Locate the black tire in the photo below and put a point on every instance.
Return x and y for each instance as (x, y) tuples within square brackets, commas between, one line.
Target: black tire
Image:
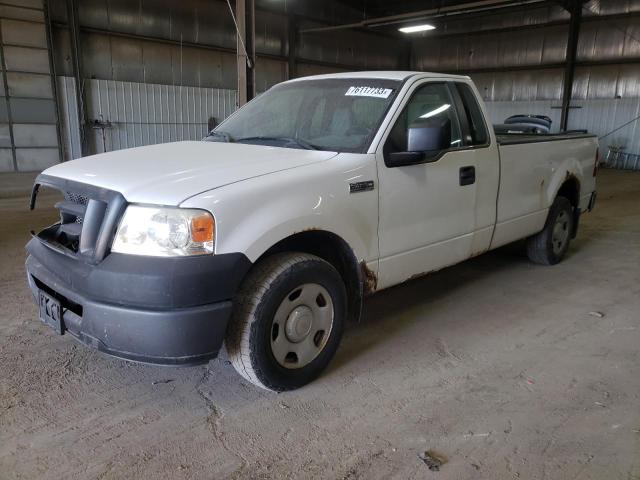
[(250, 334), (545, 248)]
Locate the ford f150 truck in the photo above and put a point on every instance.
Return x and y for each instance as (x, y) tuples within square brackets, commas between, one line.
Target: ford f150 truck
[(267, 235)]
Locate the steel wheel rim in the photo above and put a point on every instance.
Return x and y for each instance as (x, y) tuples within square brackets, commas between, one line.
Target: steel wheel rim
[(560, 234), (302, 325)]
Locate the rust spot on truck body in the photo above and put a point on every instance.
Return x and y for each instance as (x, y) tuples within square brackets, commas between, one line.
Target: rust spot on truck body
[(369, 277)]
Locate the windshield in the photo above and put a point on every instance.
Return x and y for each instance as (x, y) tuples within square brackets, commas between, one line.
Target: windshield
[(339, 115)]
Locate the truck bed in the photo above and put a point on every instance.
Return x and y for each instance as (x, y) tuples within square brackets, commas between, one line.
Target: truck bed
[(532, 169)]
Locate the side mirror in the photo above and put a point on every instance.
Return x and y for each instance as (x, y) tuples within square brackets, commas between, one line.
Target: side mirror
[(426, 137), (429, 134)]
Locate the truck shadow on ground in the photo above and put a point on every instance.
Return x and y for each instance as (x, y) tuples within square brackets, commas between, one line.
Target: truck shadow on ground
[(392, 310), (384, 315)]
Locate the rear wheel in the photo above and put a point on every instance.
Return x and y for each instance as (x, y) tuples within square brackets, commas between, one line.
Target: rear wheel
[(550, 245), (287, 322)]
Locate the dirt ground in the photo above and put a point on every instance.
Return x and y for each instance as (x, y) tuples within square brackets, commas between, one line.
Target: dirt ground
[(505, 369)]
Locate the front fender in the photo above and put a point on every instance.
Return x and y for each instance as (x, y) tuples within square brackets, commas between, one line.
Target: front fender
[(253, 215)]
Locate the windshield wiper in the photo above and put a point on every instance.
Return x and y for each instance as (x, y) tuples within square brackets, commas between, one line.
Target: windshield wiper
[(297, 141), (218, 133)]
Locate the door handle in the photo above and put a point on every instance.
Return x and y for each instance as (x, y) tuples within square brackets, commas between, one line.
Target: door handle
[(467, 175)]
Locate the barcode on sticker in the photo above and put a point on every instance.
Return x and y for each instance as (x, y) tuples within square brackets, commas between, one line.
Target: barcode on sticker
[(368, 92)]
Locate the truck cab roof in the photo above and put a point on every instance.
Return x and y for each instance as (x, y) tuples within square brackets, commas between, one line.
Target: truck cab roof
[(382, 74)]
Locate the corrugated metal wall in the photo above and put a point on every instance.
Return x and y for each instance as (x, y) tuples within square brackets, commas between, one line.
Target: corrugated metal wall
[(28, 131), (521, 71), (602, 116), (540, 46), (189, 43), (356, 49), (186, 50), (604, 98), (192, 43), (128, 114), (599, 116)]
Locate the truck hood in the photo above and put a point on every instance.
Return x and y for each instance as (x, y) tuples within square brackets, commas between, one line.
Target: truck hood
[(169, 173)]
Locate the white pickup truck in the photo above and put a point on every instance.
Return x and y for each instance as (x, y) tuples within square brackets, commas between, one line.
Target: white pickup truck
[(267, 235)]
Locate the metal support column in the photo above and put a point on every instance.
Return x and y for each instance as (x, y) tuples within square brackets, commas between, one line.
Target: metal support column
[(246, 50), (3, 66), (575, 9), (407, 58), (54, 77), (251, 48), (76, 60), (292, 45)]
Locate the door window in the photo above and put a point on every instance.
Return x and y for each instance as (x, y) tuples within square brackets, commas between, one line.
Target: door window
[(429, 100)]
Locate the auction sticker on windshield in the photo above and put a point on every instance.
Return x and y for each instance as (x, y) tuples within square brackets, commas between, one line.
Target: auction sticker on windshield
[(368, 92)]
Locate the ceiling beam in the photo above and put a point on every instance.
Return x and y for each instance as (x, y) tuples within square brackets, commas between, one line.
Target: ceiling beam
[(309, 18), (534, 67), (432, 13), (531, 26)]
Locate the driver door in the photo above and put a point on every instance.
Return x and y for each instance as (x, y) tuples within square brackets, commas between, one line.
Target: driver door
[(427, 210)]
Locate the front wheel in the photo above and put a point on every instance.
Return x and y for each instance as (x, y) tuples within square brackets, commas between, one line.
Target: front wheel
[(287, 322), (550, 245)]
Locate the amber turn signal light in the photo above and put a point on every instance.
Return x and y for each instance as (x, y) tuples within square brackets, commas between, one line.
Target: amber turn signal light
[(202, 227)]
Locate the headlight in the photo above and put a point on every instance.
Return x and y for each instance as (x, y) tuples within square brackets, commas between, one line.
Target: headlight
[(165, 232)]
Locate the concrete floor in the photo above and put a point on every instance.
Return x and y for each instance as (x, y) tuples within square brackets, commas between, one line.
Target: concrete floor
[(501, 366)]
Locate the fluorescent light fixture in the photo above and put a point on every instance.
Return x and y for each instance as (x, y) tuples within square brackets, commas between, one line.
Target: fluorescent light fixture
[(435, 112), (417, 28)]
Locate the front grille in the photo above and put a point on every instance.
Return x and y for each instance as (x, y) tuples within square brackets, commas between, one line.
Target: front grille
[(78, 199), (88, 218)]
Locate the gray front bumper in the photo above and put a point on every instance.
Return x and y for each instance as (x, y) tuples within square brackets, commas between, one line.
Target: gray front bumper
[(169, 337)]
